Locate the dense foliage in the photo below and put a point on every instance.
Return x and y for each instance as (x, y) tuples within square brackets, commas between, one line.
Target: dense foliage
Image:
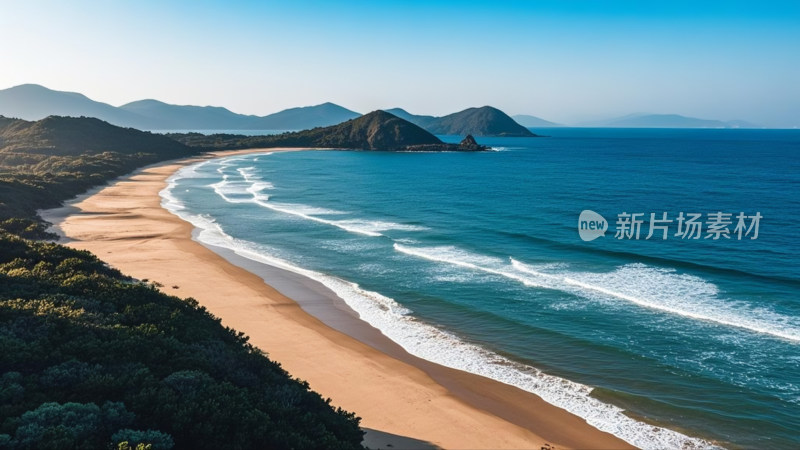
[(31, 182), (74, 136), (45, 162), (92, 359), (377, 130)]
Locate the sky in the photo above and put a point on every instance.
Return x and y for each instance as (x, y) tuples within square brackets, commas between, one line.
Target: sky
[(564, 61)]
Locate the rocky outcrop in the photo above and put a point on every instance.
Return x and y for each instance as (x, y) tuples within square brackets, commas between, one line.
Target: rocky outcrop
[(468, 144)]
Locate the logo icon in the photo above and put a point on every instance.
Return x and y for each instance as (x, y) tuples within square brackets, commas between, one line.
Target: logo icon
[(591, 225)]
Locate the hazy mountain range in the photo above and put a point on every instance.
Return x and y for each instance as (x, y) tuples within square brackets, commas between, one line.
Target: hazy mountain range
[(640, 121), (34, 102)]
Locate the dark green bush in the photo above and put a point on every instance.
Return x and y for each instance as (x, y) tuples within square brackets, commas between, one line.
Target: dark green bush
[(76, 334)]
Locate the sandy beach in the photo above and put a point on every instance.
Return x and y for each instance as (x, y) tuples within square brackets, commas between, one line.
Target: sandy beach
[(403, 401)]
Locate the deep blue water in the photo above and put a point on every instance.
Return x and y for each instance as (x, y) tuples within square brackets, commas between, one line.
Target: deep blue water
[(474, 260)]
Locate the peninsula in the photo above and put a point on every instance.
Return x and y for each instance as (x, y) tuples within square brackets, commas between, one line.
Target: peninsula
[(378, 130)]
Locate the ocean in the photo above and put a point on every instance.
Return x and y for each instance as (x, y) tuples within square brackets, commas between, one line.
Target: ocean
[(475, 261)]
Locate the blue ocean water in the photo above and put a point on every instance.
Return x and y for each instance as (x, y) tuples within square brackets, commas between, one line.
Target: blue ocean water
[(474, 260)]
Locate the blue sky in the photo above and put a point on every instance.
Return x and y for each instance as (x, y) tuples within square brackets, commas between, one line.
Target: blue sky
[(566, 61)]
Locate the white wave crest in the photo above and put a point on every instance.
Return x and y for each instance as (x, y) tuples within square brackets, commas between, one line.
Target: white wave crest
[(248, 187), (649, 287)]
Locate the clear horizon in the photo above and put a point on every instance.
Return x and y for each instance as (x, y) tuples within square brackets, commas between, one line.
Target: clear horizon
[(565, 62)]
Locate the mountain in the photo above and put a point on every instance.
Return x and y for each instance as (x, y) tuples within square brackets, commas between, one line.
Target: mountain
[(62, 136), (534, 122), (668, 121), (422, 121), (304, 118), (174, 117), (34, 102), (485, 121), (378, 130)]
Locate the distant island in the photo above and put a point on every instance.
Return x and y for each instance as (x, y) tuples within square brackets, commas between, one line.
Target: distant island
[(667, 121), (534, 122), (378, 130), (484, 121)]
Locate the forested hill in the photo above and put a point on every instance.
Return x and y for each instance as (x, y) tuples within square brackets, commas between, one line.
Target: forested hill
[(45, 162), (378, 130), (93, 359), (56, 135)]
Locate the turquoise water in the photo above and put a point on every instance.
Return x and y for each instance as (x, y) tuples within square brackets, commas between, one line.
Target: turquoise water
[(473, 260)]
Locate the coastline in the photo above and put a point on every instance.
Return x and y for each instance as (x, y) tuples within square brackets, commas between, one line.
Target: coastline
[(403, 400)]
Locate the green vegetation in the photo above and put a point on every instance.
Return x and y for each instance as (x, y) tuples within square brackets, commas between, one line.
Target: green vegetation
[(377, 130), (484, 121), (80, 135), (46, 162), (93, 359)]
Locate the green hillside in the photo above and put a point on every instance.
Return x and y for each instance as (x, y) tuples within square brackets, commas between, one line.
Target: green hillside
[(93, 359)]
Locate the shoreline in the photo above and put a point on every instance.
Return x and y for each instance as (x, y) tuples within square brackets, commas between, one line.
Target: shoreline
[(403, 400)]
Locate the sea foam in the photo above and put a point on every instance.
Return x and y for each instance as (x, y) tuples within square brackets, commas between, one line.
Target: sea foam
[(442, 347), (244, 186), (649, 287)]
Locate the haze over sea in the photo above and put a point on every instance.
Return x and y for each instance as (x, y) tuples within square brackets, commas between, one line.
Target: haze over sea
[(473, 260)]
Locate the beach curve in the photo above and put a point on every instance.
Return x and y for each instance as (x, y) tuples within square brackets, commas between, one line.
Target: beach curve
[(409, 401)]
